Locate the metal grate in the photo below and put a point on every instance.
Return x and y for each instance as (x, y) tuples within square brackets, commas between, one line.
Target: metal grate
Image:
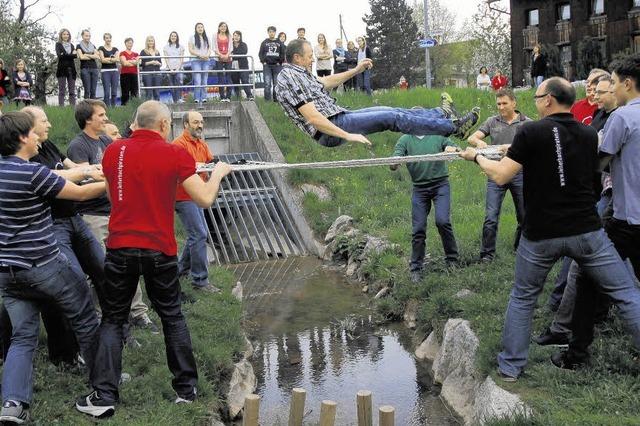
[(249, 221)]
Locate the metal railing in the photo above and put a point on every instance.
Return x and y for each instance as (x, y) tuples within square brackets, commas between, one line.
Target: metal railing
[(162, 72)]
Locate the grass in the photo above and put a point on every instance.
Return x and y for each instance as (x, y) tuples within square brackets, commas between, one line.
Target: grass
[(380, 202), (214, 323)]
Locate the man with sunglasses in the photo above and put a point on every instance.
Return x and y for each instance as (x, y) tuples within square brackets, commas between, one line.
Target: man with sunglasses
[(559, 160)]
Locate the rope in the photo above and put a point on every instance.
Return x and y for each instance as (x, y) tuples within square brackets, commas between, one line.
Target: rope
[(490, 153)]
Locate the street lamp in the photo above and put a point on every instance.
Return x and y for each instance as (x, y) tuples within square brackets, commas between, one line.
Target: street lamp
[(490, 2)]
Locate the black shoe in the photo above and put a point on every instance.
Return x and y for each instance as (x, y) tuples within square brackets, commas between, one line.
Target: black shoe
[(14, 412), (452, 264), (487, 258), (549, 338), (565, 361), (465, 124), (416, 276), (95, 406)]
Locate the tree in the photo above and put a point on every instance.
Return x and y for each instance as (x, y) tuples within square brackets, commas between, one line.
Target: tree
[(391, 35), (554, 60), (23, 36), (441, 21), (492, 31), (589, 56)]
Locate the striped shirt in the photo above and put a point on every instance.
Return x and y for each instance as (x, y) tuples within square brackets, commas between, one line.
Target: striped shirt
[(297, 87), (26, 234)]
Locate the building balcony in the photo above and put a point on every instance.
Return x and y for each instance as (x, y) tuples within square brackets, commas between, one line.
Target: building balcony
[(530, 35), (563, 32), (598, 26), (634, 21)]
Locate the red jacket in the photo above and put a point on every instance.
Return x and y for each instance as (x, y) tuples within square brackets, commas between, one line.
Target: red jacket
[(498, 82)]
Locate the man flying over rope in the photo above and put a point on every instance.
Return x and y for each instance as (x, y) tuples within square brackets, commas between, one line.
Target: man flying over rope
[(307, 101)]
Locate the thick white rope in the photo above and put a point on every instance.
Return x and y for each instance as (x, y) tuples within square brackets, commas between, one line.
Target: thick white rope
[(490, 153)]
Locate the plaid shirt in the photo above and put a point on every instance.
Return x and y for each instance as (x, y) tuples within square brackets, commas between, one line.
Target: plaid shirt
[(297, 87)]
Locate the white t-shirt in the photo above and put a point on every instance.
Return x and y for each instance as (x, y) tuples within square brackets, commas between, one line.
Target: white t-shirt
[(483, 81)]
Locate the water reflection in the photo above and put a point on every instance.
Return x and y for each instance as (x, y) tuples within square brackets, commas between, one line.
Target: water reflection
[(312, 330)]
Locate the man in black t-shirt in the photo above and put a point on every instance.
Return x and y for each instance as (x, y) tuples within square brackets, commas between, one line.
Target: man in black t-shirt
[(559, 161)]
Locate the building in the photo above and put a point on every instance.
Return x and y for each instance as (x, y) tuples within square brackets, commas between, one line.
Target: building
[(564, 23)]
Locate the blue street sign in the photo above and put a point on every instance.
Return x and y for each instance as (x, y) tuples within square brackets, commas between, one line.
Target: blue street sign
[(427, 42)]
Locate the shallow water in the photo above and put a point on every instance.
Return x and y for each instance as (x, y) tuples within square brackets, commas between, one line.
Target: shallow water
[(313, 330)]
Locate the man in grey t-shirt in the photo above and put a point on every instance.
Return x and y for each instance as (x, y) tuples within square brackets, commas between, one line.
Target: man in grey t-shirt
[(502, 128)]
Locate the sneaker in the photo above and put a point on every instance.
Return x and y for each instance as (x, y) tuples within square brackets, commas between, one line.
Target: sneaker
[(549, 338), (416, 276), (506, 378), (565, 361), (465, 124), (143, 321), (486, 259), (207, 288), (95, 406), (186, 400), (251, 98), (446, 104), (14, 412)]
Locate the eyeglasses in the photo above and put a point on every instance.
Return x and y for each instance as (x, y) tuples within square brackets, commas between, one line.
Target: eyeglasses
[(603, 92), (536, 97)]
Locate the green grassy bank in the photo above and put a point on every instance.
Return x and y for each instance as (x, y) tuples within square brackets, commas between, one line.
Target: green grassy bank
[(379, 201), (214, 323)]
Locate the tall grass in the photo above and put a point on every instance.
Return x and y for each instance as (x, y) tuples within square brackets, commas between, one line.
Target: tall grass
[(380, 202)]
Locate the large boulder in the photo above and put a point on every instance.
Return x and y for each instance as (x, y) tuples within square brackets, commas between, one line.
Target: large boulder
[(492, 402), (428, 349), (340, 225), (243, 383)]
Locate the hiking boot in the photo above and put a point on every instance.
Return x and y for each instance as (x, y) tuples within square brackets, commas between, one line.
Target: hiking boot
[(565, 361), (207, 288), (465, 124), (549, 338), (14, 412), (143, 321), (416, 276), (95, 406), (446, 104)]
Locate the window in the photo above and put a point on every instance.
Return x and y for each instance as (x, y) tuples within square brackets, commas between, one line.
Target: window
[(636, 3), (564, 12), (597, 7), (636, 44), (532, 18)]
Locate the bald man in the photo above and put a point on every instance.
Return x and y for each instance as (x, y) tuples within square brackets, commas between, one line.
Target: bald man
[(141, 241), (193, 259)]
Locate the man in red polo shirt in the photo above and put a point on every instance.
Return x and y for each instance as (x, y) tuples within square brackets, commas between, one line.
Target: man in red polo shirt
[(584, 109), (141, 175), (194, 255)]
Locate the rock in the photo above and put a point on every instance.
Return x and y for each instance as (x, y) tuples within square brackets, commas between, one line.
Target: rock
[(428, 350), (249, 350), (214, 420), (464, 293), (243, 383), (492, 402), (352, 268), (410, 312), (454, 367), (340, 225), (365, 289), (374, 245), (382, 293), (320, 191), (237, 291), (327, 253)]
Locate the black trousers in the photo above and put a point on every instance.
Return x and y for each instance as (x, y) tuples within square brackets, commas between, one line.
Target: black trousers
[(123, 268), (625, 238), (128, 87)]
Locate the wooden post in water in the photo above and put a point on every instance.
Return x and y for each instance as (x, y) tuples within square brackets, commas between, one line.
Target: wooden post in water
[(387, 414), (298, 396), (365, 416), (251, 410), (328, 413)]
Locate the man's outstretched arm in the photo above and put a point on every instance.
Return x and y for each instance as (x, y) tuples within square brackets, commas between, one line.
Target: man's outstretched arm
[(334, 80), (501, 172), (322, 124)]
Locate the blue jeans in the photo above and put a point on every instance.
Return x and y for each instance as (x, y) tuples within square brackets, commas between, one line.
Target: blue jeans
[(270, 73), (494, 198), (439, 193), (151, 80), (176, 79), (363, 80), (123, 268), (110, 83), (200, 78), (418, 121), (89, 78), (22, 291), (194, 254), (537, 80), (598, 259), (224, 78)]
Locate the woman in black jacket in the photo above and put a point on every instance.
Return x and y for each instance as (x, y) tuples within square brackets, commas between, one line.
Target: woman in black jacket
[(66, 71), (364, 78), (538, 66), (240, 63)]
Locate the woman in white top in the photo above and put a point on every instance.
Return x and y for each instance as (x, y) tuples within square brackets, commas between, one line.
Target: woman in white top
[(200, 47), (323, 57), (483, 81), (174, 65)]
